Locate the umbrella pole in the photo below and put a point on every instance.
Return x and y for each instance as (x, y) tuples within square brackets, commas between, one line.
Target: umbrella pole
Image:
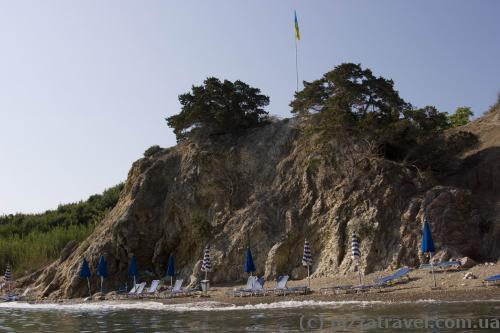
[(308, 278), (359, 272), (88, 284), (135, 283), (171, 282), (432, 269), (102, 279), (206, 274)]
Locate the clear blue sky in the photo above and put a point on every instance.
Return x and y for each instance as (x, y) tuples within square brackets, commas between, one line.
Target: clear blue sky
[(85, 85)]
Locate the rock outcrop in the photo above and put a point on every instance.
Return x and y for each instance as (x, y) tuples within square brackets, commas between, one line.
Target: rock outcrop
[(271, 189)]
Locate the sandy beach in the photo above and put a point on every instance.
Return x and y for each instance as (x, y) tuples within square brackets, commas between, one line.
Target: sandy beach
[(451, 287)]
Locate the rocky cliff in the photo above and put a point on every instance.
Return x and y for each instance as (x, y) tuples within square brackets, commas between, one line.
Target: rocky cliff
[(272, 188)]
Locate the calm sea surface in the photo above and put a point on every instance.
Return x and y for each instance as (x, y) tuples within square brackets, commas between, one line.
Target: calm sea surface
[(278, 317)]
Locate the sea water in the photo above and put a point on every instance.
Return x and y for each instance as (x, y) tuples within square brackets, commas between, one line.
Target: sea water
[(291, 316)]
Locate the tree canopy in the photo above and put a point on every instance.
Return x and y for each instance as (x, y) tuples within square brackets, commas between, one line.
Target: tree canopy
[(461, 116), (351, 100), (219, 107), (352, 91)]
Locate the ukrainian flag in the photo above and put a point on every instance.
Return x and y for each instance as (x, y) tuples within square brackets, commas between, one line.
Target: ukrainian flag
[(297, 32)]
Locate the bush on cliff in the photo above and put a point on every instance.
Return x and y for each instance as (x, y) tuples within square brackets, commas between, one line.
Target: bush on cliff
[(219, 107), (31, 241), (460, 117)]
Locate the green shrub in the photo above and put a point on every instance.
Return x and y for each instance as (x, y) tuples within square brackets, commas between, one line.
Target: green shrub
[(201, 229), (31, 241)]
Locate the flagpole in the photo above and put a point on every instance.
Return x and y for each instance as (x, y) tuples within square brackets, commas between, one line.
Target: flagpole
[(296, 64)]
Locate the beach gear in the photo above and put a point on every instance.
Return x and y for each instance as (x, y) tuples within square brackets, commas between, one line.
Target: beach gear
[(140, 289), (427, 246), (254, 286), (282, 289), (153, 287), (443, 265), (133, 289), (356, 254), (8, 274), (206, 265), (492, 281), (102, 270), (335, 289), (177, 289), (401, 274), (132, 269), (122, 289), (171, 268), (249, 266), (280, 285), (85, 272), (307, 260)]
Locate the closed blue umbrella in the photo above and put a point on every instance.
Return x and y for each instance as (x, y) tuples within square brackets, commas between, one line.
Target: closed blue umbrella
[(102, 269), (85, 273), (132, 269), (427, 246), (171, 268), (249, 266)]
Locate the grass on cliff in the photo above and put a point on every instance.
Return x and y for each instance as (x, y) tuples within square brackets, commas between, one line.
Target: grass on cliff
[(30, 241)]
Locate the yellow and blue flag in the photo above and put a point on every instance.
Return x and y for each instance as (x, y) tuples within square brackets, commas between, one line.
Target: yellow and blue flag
[(297, 32)]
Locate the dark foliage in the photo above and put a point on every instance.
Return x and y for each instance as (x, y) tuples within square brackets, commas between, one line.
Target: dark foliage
[(219, 107)]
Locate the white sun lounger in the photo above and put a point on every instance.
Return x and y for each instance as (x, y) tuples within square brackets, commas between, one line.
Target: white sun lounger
[(139, 289), (248, 287), (177, 289), (282, 289), (154, 286)]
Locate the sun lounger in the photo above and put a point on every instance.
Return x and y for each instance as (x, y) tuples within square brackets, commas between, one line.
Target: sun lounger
[(152, 289), (280, 285), (177, 289), (9, 297), (336, 289), (122, 289), (256, 288), (133, 289), (248, 287), (445, 265), (492, 281), (140, 288), (401, 274)]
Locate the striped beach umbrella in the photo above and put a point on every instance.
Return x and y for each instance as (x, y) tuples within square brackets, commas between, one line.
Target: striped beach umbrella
[(8, 274), (206, 265), (307, 260), (356, 253)]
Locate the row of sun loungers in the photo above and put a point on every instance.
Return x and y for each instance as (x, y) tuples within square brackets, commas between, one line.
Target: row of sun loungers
[(255, 287), (140, 291), (401, 275)]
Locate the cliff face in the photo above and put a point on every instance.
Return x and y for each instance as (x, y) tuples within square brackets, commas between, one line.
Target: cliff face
[(270, 189)]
